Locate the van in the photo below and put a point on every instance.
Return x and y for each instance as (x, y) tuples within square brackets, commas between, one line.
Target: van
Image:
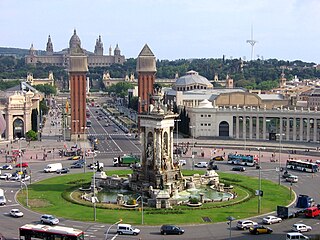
[(312, 212), (53, 167), (3, 199), (127, 229), (296, 236)]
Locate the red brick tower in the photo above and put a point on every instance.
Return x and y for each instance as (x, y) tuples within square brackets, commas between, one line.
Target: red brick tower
[(146, 69), (77, 76)]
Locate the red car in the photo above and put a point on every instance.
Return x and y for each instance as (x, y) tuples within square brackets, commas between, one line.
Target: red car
[(24, 164)]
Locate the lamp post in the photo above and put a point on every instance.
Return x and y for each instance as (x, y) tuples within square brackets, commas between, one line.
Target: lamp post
[(260, 192), (280, 146), (192, 127), (230, 219), (111, 227), (27, 200), (94, 191), (141, 197), (84, 156), (177, 147)]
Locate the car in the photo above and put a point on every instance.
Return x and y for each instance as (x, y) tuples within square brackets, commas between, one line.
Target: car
[(296, 236), (63, 170), (182, 162), (171, 229), (77, 165), (49, 219), (239, 168), (213, 167), (5, 176), (106, 124), (260, 229), (25, 178), (292, 179), (246, 224), (271, 220), (116, 130), (15, 177), (24, 164), (300, 227), (16, 213), (81, 161), (201, 165), (75, 158), (218, 158), (6, 167)]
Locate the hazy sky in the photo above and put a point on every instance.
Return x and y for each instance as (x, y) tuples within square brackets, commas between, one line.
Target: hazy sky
[(174, 29)]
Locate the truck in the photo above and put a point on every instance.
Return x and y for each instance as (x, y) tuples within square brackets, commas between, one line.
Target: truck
[(304, 201), (289, 212), (126, 160), (53, 167)]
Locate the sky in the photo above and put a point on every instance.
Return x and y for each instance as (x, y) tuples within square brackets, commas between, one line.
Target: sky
[(173, 29)]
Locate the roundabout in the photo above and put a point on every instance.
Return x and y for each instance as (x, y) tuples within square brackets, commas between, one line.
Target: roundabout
[(60, 196)]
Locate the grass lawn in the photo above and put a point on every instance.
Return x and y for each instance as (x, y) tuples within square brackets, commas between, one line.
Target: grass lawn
[(46, 197)]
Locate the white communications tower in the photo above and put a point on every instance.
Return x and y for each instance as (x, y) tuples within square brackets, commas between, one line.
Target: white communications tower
[(252, 43)]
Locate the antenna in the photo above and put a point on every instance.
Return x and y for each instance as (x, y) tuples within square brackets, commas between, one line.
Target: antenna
[(252, 43)]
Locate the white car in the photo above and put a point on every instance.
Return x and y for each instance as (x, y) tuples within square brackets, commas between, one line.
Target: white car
[(6, 176), (201, 165), (25, 178), (16, 213), (246, 224), (182, 162), (300, 227), (271, 220)]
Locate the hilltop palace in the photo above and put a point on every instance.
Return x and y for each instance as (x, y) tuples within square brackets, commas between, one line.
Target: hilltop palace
[(62, 58)]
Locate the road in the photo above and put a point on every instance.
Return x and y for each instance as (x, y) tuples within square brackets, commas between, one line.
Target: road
[(118, 143)]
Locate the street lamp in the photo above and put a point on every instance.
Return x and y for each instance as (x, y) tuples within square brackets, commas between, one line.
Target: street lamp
[(141, 197), (192, 127), (27, 200), (111, 227), (280, 146), (259, 191), (177, 120), (230, 219), (94, 199)]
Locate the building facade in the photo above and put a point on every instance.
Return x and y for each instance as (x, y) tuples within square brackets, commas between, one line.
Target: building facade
[(62, 58)]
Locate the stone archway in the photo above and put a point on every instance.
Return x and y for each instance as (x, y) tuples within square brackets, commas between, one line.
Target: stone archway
[(224, 129), (18, 128)]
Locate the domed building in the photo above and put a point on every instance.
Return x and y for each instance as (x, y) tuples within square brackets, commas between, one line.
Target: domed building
[(61, 58), (192, 80)]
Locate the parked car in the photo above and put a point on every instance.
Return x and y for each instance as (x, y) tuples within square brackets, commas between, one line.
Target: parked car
[(63, 170), (239, 168), (171, 229), (5, 176), (201, 165), (24, 164), (260, 229), (300, 227), (271, 220), (296, 236), (16, 213), (6, 167), (49, 219), (246, 224)]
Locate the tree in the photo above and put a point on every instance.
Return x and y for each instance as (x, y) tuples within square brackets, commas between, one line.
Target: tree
[(43, 107), (120, 88), (46, 89), (31, 135)]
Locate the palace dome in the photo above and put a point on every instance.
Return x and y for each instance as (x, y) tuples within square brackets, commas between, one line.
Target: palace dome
[(74, 41)]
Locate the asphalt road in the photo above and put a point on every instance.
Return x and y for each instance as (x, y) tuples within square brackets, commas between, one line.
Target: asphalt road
[(119, 143)]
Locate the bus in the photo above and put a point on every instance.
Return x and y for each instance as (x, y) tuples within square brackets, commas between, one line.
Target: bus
[(301, 165), (39, 231), (89, 123), (240, 159)]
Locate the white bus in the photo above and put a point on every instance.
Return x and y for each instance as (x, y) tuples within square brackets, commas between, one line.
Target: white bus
[(301, 165), (39, 231)]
